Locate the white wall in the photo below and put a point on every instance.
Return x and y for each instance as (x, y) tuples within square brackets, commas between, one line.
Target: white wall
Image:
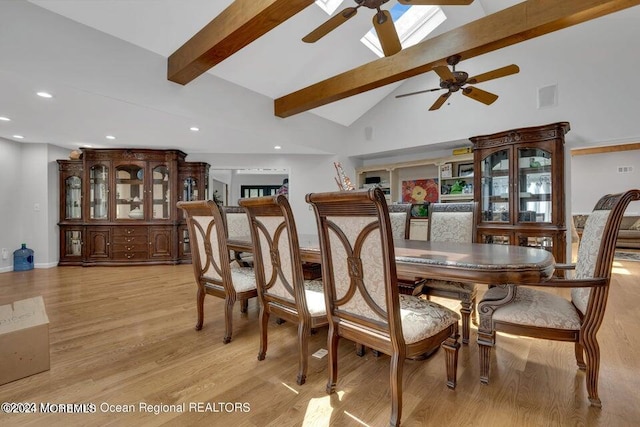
[(10, 194), (594, 175), (307, 173)]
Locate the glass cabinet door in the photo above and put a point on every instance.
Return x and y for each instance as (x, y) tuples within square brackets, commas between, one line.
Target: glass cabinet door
[(161, 192), (73, 198), (190, 189), (98, 190), (494, 198), (534, 180), (129, 191), (73, 243)]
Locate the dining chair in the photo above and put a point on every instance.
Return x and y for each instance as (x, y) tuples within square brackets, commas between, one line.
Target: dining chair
[(362, 297), (400, 216), (214, 272), (281, 286), (535, 313), (453, 222), (236, 224)]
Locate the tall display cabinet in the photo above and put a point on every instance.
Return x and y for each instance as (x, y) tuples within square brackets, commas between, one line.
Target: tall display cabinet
[(519, 184), (118, 206)]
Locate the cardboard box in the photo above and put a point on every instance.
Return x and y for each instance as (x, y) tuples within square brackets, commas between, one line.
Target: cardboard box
[(24, 339)]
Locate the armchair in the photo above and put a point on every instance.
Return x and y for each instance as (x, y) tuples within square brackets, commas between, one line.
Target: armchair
[(534, 313)]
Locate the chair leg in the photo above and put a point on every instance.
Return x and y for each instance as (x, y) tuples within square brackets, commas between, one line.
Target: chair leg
[(303, 341), (360, 350), (228, 320), (592, 351), (474, 312), (580, 356), (396, 368), (466, 315), (486, 341), (332, 345), (451, 347), (264, 322), (244, 305), (200, 308)]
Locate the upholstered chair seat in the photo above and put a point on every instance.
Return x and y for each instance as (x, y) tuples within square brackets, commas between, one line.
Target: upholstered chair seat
[(536, 308), (423, 319)]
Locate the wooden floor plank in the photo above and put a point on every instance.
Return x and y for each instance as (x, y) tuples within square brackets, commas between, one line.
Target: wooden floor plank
[(126, 335)]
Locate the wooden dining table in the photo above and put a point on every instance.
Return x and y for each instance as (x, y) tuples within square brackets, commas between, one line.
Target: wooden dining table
[(489, 264)]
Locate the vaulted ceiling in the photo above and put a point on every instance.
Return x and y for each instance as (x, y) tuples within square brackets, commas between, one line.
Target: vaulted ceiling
[(108, 67)]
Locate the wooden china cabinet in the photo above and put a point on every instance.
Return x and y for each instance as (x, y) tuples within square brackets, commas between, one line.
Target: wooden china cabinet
[(193, 184), (519, 184), (118, 206)]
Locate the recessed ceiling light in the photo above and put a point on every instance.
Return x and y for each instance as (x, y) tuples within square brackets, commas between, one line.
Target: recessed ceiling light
[(110, 137), (194, 129), (277, 147), (18, 136), (44, 95), (4, 119)]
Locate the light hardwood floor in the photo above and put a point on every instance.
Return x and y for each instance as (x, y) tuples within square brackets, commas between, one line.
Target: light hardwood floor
[(125, 336)]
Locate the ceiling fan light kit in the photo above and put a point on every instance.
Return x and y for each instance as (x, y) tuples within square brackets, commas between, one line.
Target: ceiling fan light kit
[(454, 81)]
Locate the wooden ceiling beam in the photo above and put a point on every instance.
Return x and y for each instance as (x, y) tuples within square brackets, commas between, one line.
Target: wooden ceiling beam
[(238, 25), (523, 21)]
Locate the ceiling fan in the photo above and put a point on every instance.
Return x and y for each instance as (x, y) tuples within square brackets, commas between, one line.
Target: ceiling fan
[(382, 22), (454, 81)]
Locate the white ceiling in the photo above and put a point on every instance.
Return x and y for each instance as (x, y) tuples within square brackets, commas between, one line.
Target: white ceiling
[(274, 65), (107, 71)]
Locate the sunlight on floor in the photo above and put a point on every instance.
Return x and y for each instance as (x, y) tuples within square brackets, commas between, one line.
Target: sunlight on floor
[(619, 269), (291, 388), (319, 410), (356, 419)]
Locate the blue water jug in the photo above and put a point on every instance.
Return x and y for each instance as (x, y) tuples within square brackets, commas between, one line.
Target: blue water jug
[(23, 258)]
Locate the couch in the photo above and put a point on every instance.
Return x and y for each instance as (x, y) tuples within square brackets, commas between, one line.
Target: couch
[(628, 236)]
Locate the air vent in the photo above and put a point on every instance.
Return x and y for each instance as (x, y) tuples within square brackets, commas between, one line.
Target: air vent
[(548, 96)]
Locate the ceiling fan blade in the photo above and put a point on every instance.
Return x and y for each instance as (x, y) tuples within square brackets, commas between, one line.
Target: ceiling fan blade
[(479, 95), (441, 100), (419, 92), (490, 75), (330, 25), (387, 34), (436, 2), (444, 72)]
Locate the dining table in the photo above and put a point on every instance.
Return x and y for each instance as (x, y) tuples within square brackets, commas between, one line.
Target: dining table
[(489, 264)]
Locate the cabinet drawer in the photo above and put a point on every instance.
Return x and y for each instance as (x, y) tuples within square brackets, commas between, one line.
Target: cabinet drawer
[(131, 240), (130, 247), (130, 231), (130, 256)]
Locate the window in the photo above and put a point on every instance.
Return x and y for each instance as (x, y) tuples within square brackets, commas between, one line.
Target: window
[(413, 24), (329, 6), (247, 191)]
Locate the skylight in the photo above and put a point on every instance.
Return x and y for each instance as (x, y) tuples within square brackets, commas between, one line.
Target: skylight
[(329, 6), (413, 24)]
